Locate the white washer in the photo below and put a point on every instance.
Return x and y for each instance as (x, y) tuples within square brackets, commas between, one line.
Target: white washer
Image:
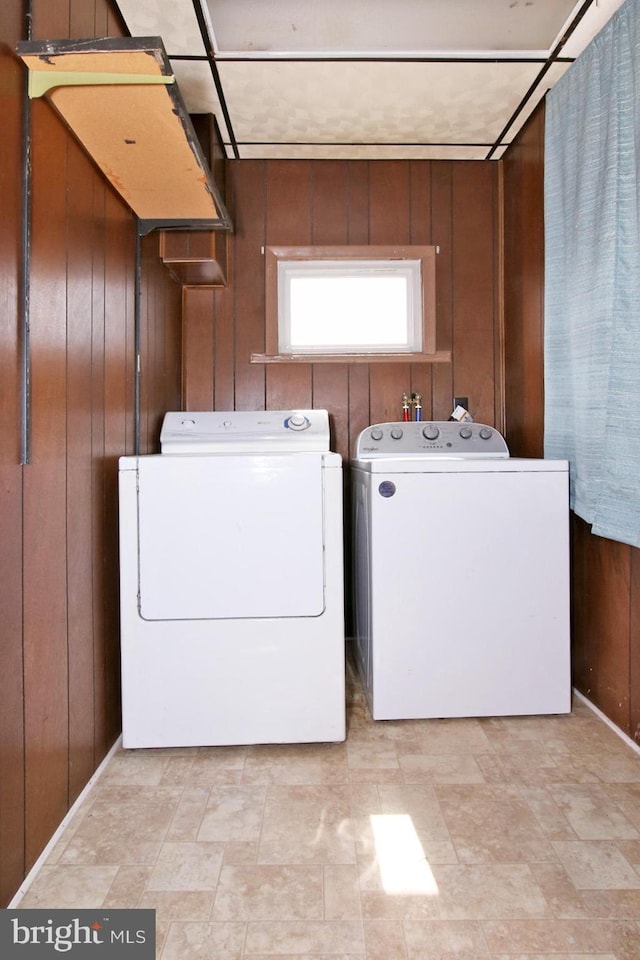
[(461, 574), (231, 580)]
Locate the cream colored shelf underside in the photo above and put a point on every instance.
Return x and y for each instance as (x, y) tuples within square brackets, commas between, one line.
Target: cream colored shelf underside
[(137, 132)]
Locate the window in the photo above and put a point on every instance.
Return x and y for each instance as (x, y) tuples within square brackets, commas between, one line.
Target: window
[(357, 303), (342, 306)]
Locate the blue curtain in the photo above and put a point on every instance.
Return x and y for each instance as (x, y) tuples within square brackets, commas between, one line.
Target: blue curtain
[(592, 277)]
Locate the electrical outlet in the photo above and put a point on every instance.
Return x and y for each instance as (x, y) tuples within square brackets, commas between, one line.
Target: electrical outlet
[(461, 402)]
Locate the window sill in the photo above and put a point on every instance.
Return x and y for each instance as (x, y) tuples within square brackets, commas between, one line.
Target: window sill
[(441, 356)]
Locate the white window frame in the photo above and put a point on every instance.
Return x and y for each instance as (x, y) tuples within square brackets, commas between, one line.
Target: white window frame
[(408, 316), (282, 263)]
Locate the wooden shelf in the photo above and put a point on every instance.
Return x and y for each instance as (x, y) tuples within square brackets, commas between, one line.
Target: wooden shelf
[(120, 99), (195, 258), (441, 356)]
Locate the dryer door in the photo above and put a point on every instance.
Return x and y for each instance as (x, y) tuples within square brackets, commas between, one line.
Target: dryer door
[(230, 536)]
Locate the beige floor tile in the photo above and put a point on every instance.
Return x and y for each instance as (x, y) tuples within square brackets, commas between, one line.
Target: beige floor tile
[(119, 833), (417, 801), (274, 893), (241, 851), (203, 941), (60, 886), (455, 737), (565, 901), (341, 892), (550, 937), (328, 938), (557, 956), (487, 891), (495, 832), (269, 769), (182, 905), (492, 839), (233, 813), (630, 809), (127, 887), (187, 866), (548, 812), (188, 815), (71, 828), (621, 904), (431, 939), (622, 769), (371, 755), (136, 768), (307, 827), (385, 940), (591, 814), (178, 769), (434, 768), (596, 865), (364, 799), (305, 832), (630, 850), (379, 905), (217, 766), (117, 793)]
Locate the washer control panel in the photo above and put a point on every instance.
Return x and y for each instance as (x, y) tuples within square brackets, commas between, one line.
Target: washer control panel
[(439, 438), (244, 431)]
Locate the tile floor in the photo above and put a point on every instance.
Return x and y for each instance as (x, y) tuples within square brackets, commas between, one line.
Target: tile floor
[(516, 839)]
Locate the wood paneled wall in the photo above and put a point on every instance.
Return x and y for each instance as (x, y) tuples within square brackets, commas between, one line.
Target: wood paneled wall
[(59, 633), (524, 289), (605, 574), (452, 205), (455, 206)]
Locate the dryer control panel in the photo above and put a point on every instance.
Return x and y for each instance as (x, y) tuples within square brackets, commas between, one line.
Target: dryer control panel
[(246, 431), (437, 438)]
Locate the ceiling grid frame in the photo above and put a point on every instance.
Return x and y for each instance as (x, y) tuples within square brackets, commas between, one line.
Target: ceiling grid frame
[(261, 68)]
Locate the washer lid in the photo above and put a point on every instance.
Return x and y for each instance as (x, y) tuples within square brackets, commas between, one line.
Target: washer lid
[(245, 431), (441, 439)]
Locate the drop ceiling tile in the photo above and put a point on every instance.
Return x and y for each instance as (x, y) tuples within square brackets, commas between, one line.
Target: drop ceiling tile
[(373, 103), (195, 80), (174, 21), (388, 26), (363, 107)]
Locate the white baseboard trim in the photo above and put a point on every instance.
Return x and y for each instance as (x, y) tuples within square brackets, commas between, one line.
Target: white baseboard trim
[(35, 869), (623, 736)]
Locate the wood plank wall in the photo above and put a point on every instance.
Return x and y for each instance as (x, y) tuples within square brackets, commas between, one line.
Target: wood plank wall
[(452, 205), (59, 682), (524, 289), (455, 206), (605, 574)]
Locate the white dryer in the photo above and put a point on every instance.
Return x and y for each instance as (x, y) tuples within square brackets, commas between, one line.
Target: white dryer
[(231, 580), (461, 574)]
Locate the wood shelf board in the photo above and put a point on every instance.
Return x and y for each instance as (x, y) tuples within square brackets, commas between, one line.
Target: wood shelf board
[(441, 356), (139, 135)]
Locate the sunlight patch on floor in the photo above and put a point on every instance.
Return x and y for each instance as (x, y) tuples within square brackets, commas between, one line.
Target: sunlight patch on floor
[(403, 866)]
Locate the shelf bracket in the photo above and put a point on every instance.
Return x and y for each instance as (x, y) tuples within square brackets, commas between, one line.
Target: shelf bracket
[(41, 81)]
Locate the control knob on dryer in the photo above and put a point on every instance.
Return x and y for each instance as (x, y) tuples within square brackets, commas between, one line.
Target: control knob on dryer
[(431, 432), (297, 421), (485, 433), (465, 432), (376, 433), (396, 433)]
